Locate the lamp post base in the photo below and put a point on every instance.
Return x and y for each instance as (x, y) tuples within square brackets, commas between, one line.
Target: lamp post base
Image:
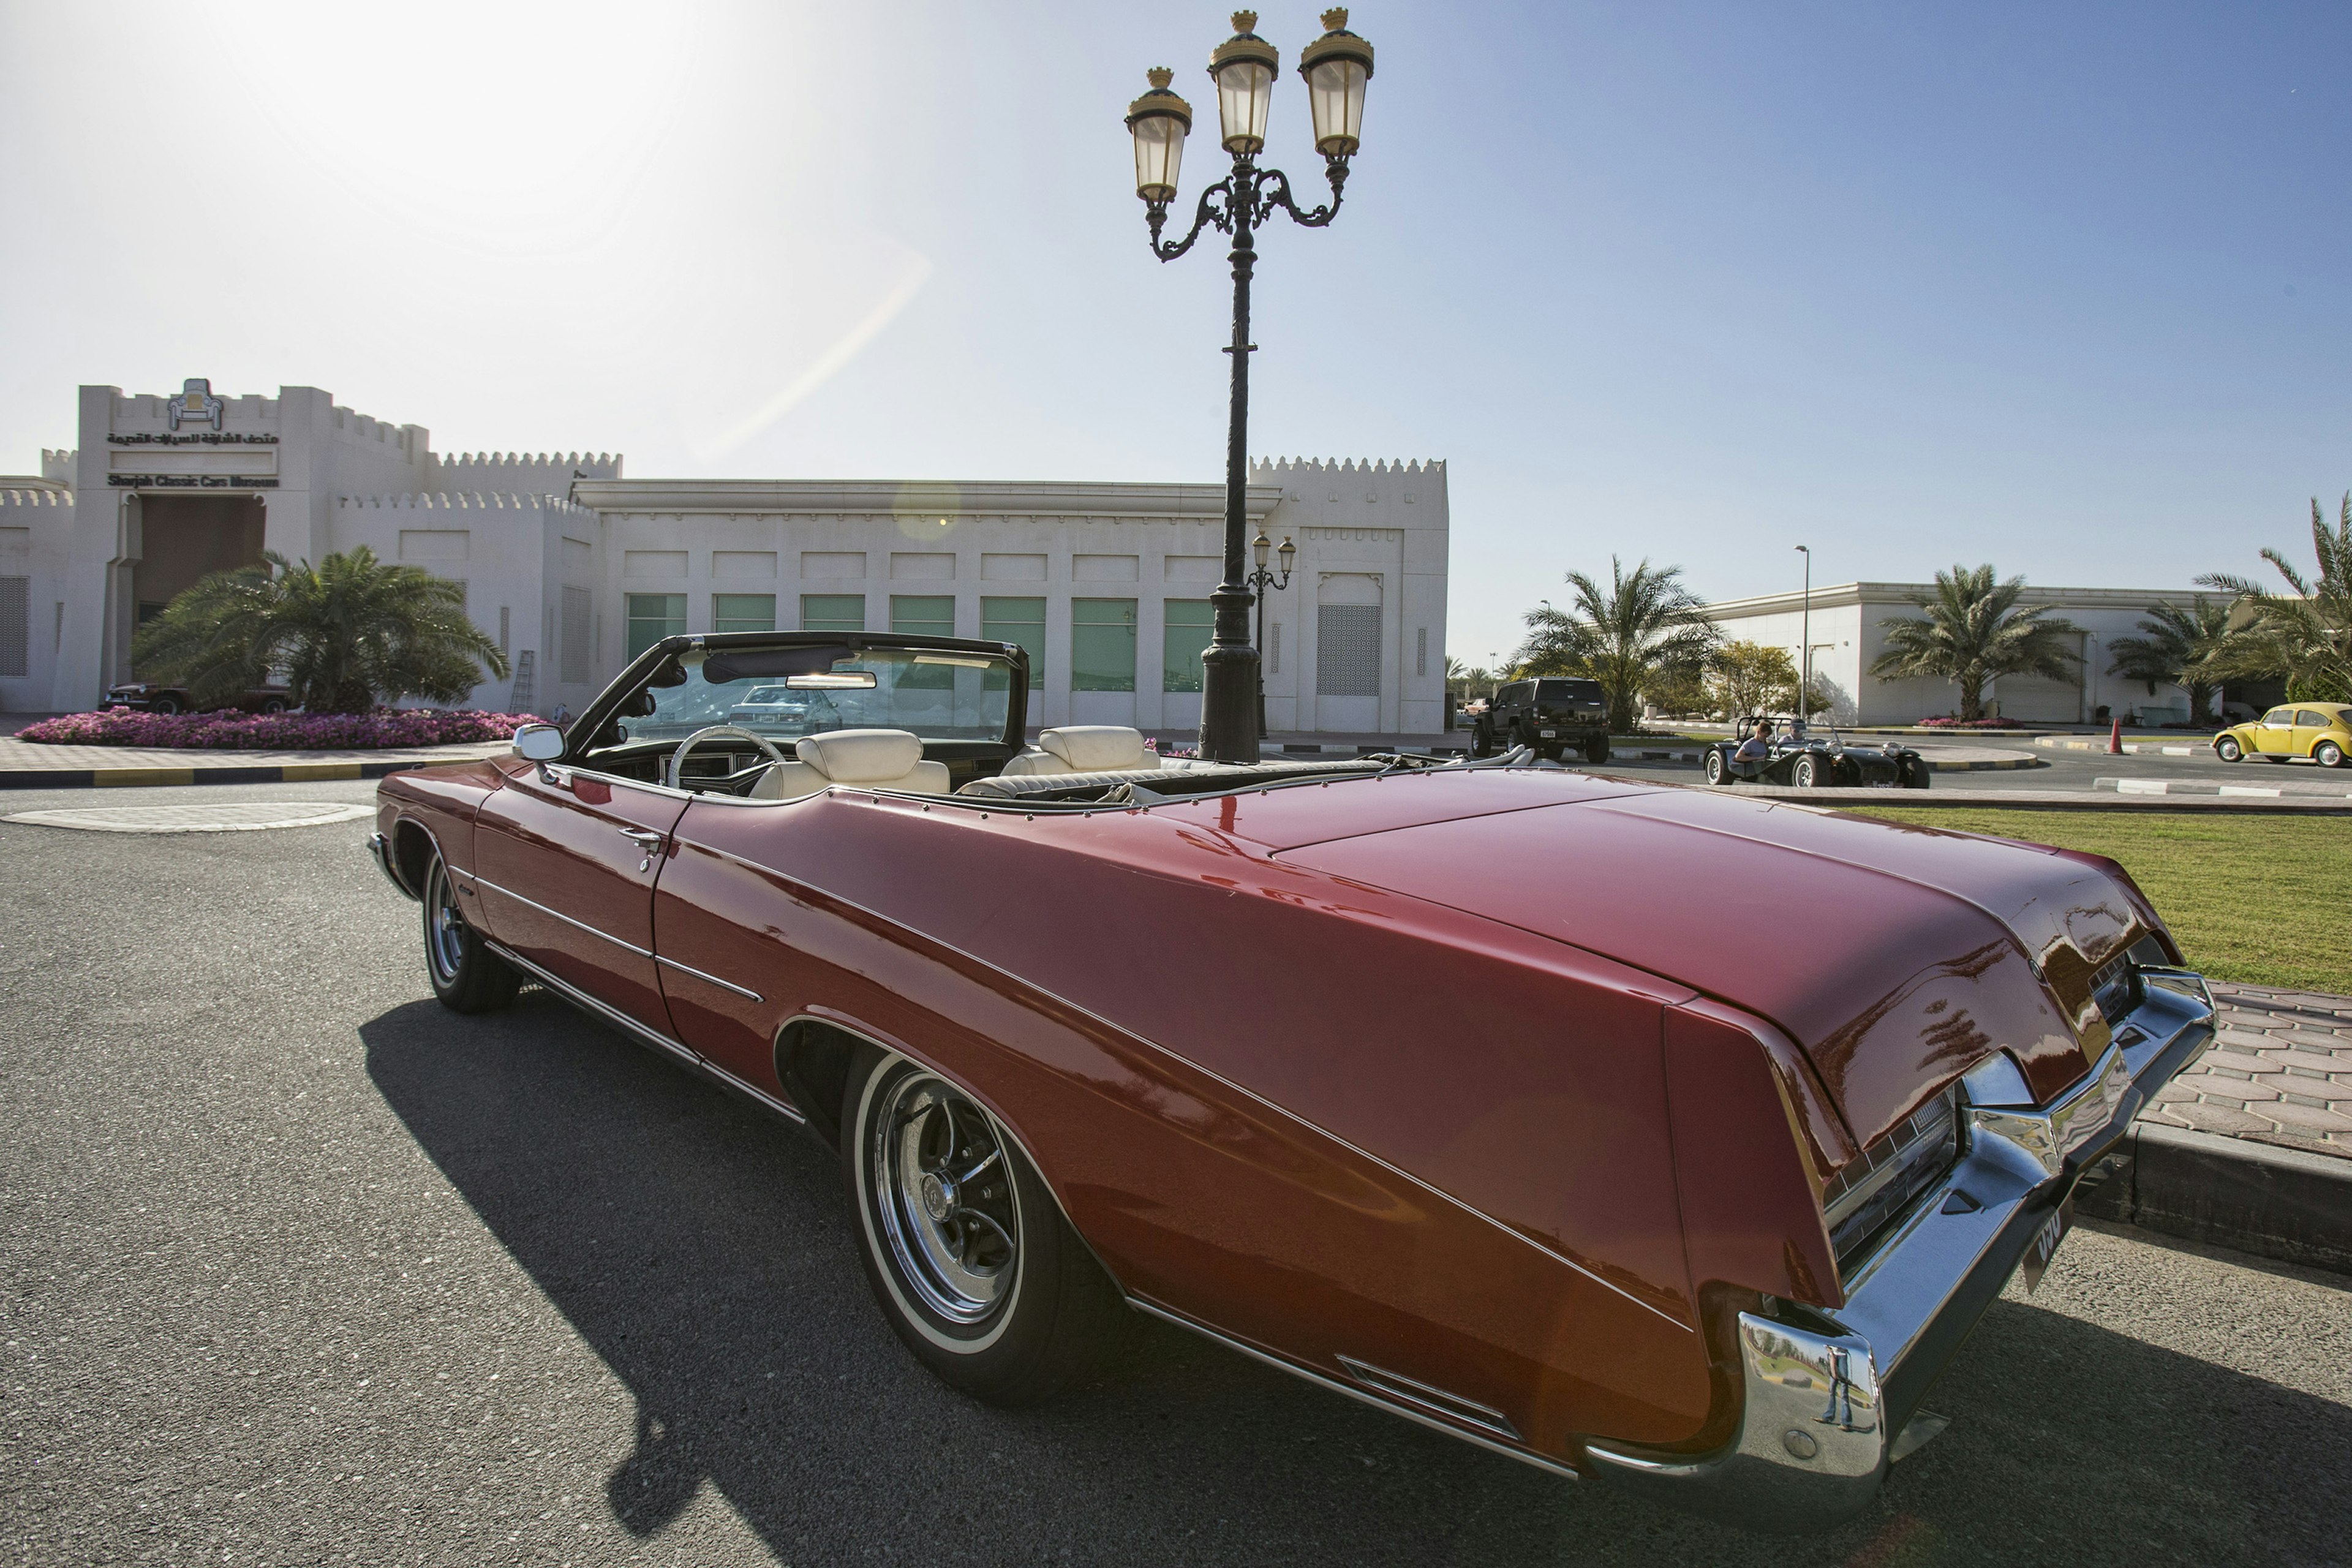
[(1229, 726)]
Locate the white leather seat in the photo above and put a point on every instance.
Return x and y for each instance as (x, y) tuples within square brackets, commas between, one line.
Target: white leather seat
[(875, 759), (1085, 749)]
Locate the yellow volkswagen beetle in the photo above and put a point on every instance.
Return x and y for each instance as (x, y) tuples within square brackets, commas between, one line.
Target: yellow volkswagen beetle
[(2320, 730)]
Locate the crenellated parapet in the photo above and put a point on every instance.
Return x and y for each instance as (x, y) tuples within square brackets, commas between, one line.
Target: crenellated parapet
[(529, 473), (57, 465), (465, 500), (13, 499)]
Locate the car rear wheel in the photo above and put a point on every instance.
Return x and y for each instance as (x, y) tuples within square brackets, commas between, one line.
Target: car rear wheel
[(1596, 752), (467, 976), (2327, 754), (1716, 773), (2228, 749), (1803, 773), (1917, 773), (967, 1252), (273, 705)]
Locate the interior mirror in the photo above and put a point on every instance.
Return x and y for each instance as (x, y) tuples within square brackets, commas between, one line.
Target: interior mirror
[(538, 742)]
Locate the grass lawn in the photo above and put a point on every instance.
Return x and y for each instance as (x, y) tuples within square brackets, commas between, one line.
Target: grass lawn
[(2266, 900)]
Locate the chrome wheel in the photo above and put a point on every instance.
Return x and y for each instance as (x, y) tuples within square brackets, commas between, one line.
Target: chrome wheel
[(944, 1198), (445, 925), (2327, 754), (2227, 749)]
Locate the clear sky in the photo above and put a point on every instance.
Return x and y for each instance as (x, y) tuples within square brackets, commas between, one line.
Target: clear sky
[(2065, 288)]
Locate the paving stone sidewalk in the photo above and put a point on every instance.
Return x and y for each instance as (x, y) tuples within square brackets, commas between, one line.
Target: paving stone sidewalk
[(2279, 1072)]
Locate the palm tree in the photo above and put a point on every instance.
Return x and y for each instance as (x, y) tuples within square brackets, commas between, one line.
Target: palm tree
[(1974, 631), (2307, 637), (348, 633), (1644, 626), (2179, 647)]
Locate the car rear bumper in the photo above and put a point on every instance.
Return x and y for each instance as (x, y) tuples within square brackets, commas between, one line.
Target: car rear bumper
[(1829, 1399)]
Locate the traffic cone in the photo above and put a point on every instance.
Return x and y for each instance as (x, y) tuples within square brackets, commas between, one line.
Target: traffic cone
[(2115, 739)]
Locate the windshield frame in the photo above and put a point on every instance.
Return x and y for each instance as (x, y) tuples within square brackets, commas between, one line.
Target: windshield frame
[(578, 739)]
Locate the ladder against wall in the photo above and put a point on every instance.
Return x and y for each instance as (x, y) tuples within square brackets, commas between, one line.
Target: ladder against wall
[(519, 700)]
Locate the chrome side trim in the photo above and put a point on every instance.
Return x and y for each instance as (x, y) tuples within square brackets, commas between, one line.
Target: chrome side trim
[(1366, 1394), (1413, 1390), (649, 1035), (1159, 1049), (567, 920), (707, 979), (603, 1010)]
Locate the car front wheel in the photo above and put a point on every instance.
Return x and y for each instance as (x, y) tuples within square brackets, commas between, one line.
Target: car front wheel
[(2228, 749), (1803, 774), (2327, 754), (467, 976), (966, 1250)]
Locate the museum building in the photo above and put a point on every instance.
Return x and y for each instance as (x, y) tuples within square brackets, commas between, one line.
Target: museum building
[(573, 567)]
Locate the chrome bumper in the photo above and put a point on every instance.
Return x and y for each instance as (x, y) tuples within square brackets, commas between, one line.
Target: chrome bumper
[(380, 849), (1827, 1396)]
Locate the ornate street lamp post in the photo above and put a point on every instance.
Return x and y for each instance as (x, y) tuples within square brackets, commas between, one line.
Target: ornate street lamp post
[(1260, 582), (1336, 68)]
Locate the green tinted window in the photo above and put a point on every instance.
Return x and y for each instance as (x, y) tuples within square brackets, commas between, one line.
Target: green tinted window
[(923, 614), (832, 612), (1019, 621), (742, 611), (1102, 645), (653, 617), (1186, 637)]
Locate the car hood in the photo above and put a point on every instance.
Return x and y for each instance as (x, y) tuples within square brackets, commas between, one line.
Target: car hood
[(1895, 956)]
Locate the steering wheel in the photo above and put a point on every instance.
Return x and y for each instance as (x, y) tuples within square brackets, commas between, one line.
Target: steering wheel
[(733, 731)]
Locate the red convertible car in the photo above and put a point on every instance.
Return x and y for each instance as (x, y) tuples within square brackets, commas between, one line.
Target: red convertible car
[(1701, 1202)]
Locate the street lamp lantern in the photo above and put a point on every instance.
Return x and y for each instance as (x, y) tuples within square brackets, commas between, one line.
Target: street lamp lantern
[(1337, 66), (1260, 548), (1159, 120), (1244, 66)]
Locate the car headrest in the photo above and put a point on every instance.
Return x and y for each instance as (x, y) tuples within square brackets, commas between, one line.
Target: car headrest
[(1095, 748), (862, 756)]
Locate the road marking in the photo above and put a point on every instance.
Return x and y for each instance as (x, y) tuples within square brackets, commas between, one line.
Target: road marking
[(225, 818)]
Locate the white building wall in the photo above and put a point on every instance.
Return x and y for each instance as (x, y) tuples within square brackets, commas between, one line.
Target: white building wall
[(329, 478), (1849, 635)]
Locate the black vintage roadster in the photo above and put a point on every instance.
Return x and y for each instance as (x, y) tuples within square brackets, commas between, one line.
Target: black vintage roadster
[(1795, 755)]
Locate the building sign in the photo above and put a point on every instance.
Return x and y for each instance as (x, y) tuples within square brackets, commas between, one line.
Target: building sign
[(195, 481), (210, 439), (196, 402)]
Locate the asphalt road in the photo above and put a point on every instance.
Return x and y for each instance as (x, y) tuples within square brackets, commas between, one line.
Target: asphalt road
[(297, 1268), (2067, 770)]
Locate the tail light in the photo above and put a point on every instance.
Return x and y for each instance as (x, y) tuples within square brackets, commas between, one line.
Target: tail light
[(1891, 1176)]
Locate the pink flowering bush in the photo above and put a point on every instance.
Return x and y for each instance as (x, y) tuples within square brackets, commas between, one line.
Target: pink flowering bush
[(230, 730), (1945, 721)]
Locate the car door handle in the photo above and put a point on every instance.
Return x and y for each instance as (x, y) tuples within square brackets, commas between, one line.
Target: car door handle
[(648, 844)]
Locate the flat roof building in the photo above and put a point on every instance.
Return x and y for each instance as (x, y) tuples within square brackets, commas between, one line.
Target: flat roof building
[(573, 567)]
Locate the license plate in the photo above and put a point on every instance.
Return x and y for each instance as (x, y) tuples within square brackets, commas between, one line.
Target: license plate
[(1548, 734), (2053, 1230)]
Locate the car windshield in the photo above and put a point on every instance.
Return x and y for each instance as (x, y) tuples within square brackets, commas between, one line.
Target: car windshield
[(939, 695)]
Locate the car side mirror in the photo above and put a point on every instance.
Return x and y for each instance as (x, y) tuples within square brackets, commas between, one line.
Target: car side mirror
[(538, 742)]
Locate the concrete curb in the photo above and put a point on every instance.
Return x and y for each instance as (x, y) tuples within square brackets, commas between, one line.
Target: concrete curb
[(2142, 748), (2261, 1198), (281, 772), (2292, 790)]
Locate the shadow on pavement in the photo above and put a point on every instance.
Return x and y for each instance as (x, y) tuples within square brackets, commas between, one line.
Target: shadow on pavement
[(703, 1250)]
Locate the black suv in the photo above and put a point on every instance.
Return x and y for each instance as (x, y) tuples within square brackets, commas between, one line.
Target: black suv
[(1552, 715)]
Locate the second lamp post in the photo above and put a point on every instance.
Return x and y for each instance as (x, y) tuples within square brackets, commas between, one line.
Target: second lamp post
[(1335, 66)]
